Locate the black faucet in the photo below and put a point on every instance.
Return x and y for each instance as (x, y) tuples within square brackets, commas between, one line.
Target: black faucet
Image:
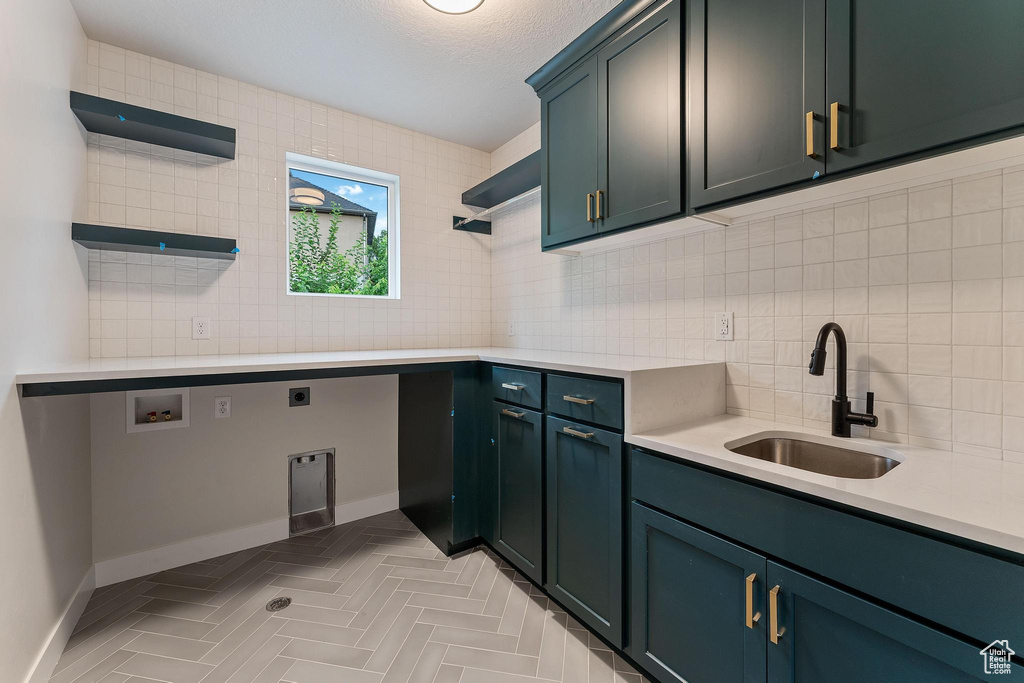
[(842, 416)]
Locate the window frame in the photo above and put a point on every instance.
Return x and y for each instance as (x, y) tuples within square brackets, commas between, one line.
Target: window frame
[(309, 164)]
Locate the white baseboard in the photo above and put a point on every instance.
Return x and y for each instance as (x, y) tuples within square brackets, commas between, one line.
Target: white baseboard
[(205, 547), (61, 633), (367, 507)]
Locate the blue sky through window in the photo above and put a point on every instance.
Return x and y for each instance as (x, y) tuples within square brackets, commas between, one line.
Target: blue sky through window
[(373, 197)]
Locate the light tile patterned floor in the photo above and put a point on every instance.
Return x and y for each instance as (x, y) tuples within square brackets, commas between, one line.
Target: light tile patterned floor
[(373, 602)]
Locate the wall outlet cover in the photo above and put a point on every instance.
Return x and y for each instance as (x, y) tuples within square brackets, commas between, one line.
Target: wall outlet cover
[(724, 327), (200, 327), (298, 396), (222, 407)]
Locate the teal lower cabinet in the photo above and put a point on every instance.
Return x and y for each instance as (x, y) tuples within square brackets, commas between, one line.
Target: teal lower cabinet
[(698, 603), (584, 524), (826, 635), (519, 508), (731, 580)]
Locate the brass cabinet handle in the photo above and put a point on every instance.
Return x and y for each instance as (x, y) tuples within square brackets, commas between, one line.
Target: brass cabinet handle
[(833, 116), (809, 125), (512, 387), (512, 413), (774, 632), (751, 618), (599, 216), (577, 399), (578, 434), (590, 214)]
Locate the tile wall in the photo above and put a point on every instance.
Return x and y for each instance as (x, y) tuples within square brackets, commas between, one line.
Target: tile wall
[(928, 284), (142, 305)]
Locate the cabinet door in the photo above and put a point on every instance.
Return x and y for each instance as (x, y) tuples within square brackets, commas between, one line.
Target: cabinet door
[(640, 151), (569, 157), (584, 522), (912, 75), (688, 603), (518, 524), (756, 70), (830, 636)]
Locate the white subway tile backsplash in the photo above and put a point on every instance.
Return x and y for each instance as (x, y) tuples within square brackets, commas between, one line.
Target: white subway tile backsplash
[(446, 276), (928, 284)]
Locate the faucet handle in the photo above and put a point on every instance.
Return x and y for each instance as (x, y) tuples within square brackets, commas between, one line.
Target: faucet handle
[(871, 403)]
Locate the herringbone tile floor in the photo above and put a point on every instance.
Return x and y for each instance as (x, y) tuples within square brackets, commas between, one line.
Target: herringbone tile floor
[(372, 602)]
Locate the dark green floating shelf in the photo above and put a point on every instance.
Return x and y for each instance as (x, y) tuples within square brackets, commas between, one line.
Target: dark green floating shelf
[(109, 117), (520, 177), (152, 242)]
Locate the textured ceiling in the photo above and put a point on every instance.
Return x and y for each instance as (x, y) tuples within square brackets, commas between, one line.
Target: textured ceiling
[(459, 78)]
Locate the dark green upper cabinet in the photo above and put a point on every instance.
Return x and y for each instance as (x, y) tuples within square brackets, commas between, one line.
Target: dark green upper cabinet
[(569, 157), (519, 518), (612, 126), (915, 75), (640, 149), (757, 96), (584, 524)]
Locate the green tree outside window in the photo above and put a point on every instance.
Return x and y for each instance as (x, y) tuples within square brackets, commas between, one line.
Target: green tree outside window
[(318, 268)]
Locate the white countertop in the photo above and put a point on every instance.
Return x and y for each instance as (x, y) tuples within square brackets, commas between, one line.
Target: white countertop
[(176, 366), (964, 495)]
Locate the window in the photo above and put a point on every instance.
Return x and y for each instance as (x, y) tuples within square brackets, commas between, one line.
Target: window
[(342, 230)]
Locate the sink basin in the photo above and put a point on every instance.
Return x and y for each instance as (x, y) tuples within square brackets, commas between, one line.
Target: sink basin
[(817, 454)]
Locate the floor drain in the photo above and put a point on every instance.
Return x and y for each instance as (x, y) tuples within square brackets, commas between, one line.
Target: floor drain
[(278, 604)]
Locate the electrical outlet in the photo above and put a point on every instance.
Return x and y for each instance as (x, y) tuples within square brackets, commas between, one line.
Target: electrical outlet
[(723, 326), (222, 406), (298, 397), (200, 327)]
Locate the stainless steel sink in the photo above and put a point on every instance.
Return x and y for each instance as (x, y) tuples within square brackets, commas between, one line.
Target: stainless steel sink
[(817, 456)]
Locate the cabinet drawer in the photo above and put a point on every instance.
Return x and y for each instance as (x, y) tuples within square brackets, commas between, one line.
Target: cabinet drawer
[(961, 589), (517, 386), (589, 400)]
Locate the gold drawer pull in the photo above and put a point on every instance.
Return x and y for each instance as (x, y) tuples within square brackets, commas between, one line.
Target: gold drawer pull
[(512, 387), (577, 399), (774, 632), (579, 435), (834, 124), (599, 216), (590, 213), (512, 413), (809, 125), (751, 618)]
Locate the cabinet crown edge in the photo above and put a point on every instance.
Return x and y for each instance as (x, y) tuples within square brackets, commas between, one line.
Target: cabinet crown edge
[(603, 29)]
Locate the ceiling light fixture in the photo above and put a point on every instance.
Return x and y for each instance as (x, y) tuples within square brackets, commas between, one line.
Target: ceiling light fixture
[(308, 196), (454, 6)]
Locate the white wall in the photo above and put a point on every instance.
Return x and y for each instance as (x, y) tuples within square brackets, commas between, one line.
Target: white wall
[(141, 305), (218, 475), (46, 547), (927, 282)]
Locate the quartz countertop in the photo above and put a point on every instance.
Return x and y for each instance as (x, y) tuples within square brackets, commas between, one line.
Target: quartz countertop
[(171, 366), (656, 391), (972, 497)]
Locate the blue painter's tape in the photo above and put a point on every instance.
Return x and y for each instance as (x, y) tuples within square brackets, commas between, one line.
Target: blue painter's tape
[(816, 174), (162, 246), (236, 250), (453, 413), (120, 117)]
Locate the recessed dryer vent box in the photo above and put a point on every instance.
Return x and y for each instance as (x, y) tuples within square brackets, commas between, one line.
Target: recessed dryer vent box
[(156, 409)]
